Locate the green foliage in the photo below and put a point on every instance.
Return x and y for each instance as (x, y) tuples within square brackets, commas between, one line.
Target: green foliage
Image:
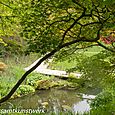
[(62, 65), (97, 69), (2, 42), (4, 86), (45, 84), (34, 77), (95, 65), (7, 18), (71, 60), (10, 41), (102, 99), (104, 102), (15, 69), (25, 89), (76, 81), (45, 23)]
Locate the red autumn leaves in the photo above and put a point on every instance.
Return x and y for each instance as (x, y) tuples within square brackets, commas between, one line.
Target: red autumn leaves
[(108, 39)]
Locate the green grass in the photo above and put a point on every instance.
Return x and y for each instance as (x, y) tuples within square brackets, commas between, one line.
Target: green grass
[(91, 51), (14, 71)]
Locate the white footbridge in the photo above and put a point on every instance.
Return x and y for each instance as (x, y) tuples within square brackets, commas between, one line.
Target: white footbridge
[(43, 69)]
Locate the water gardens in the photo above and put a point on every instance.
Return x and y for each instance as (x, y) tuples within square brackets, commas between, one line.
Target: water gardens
[(78, 35)]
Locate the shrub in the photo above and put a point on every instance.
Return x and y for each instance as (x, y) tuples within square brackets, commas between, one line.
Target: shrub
[(104, 102), (3, 66)]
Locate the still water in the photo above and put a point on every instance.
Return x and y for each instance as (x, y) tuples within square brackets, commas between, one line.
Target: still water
[(50, 100)]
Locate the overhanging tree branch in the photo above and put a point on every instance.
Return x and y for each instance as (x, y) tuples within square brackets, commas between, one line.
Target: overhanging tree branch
[(105, 47), (72, 25), (38, 63), (76, 2), (62, 44), (75, 48), (6, 5)]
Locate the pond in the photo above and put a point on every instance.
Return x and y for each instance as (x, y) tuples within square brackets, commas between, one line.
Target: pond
[(50, 100)]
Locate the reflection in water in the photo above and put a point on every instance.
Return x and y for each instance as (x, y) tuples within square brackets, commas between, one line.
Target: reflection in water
[(50, 100), (81, 107)]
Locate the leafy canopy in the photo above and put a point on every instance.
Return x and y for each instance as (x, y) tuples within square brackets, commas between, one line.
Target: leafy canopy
[(46, 24)]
